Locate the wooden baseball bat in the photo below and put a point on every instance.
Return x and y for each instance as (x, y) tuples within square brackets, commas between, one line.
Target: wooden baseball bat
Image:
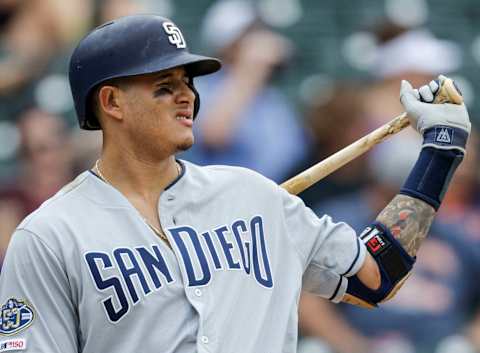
[(447, 93)]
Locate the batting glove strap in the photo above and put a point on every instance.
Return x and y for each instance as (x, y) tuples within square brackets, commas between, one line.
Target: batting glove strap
[(431, 175), (445, 137)]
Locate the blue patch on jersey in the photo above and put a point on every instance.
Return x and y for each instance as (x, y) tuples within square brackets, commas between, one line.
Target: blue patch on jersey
[(16, 315)]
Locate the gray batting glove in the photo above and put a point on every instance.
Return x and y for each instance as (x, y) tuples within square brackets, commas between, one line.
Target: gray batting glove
[(443, 126)]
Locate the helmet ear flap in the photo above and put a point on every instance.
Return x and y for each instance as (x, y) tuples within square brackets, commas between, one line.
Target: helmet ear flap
[(196, 104)]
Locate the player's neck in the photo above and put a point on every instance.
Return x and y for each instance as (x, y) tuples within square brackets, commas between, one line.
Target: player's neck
[(135, 177)]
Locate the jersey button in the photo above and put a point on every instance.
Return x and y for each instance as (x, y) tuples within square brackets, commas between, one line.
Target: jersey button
[(204, 339), (198, 292), (170, 197)]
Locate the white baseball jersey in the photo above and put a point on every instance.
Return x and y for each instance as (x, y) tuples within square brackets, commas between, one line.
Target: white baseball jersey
[(85, 273)]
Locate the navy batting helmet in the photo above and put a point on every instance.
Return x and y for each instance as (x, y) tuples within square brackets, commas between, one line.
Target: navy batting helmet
[(129, 46)]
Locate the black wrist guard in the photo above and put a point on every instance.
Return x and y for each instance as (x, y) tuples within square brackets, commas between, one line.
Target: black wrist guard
[(429, 178), (393, 262)]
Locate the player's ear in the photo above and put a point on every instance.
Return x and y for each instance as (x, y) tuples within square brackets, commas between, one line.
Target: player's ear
[(109, 101)]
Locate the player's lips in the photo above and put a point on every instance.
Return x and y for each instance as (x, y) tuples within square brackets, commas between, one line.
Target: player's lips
[(185, 117)]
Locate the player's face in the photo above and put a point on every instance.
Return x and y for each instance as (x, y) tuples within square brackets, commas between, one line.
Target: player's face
[(158, 111)]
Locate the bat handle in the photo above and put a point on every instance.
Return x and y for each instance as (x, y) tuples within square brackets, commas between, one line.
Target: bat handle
[(448, 93)]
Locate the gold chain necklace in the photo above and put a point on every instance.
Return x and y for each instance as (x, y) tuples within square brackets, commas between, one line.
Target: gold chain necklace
[(156, 230)]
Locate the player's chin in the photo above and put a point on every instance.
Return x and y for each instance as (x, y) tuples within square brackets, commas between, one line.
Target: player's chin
[(185, 143)]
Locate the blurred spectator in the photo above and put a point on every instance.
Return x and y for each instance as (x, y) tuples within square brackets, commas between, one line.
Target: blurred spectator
[(435, 311), (349, 110), (32, 31), (87, 146), (28, 40), (334, 123), (409, 54), (462, 203), (414, 55), (45, 166), (435, 308), (249, 123), (33, 36), (107, 10)]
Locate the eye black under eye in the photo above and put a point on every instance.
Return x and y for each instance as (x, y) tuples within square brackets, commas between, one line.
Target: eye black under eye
[(163, 90)]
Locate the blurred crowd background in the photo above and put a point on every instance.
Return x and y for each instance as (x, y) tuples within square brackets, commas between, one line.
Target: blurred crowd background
[(301, 79)]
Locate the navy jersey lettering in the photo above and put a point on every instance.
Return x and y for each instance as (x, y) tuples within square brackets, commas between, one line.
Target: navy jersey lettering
[(244, 247), (155, 262), (129, 272), (249, 241), (213, 251), (258, 238), (192, 235), (121, 277), (103, 284), (227, 247)]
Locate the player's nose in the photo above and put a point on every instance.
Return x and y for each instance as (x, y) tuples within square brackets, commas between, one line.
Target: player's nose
[(185, 96)]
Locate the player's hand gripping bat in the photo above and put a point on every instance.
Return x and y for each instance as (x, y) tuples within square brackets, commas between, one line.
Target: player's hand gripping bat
[(447, 93)]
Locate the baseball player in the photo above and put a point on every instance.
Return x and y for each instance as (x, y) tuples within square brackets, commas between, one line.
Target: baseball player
[(148, 253)]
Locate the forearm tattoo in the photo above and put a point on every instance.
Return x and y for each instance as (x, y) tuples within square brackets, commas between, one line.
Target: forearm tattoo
[(409, 220)]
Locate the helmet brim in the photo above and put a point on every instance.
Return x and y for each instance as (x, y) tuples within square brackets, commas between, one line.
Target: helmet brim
[(196, 65)]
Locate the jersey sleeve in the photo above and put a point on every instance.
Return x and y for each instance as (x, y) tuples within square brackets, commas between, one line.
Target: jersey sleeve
[(329, 251), (37, 311)]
